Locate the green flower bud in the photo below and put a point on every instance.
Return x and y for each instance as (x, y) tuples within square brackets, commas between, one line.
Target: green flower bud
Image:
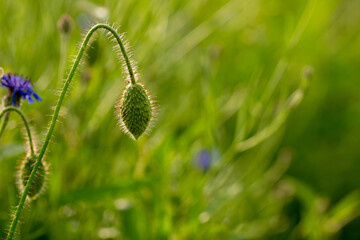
[(23, 175), (135, 110)]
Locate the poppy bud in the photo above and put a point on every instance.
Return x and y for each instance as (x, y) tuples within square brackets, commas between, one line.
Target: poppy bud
[(136, 110), (23, 175), (65, 24)]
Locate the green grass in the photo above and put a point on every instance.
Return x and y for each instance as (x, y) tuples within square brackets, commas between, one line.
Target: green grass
[(227, 77)]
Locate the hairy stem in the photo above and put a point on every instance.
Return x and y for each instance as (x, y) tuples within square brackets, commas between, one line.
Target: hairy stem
[(56, 113), (6, 112)]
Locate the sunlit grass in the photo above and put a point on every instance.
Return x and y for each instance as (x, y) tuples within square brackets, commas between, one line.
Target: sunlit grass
[(228, 78)]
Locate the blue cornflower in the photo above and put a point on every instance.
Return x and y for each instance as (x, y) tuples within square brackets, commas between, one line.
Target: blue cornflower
[(204, 160), (19, 88)]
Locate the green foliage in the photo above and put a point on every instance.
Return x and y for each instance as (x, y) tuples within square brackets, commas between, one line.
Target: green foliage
[(227, 75)]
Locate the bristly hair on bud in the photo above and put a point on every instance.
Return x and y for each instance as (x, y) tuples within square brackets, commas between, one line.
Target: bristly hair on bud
[(135, 110), (23, 174)]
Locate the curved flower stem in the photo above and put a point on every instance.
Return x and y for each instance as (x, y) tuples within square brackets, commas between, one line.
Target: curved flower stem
[(26, 123), (56, 113)]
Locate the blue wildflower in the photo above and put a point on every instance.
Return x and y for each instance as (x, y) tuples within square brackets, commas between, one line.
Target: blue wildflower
[(19, 88), (204, 160)]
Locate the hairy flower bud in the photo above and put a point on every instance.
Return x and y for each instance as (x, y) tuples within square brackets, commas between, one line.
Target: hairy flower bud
[(135, 110), (38, 182)]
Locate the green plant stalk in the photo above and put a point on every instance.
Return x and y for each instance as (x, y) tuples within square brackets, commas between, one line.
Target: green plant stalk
[(292, 102), (57, 110), (26, 123), (271, 86)]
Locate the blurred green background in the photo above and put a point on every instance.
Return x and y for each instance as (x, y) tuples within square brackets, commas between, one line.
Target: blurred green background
[(229, 81)]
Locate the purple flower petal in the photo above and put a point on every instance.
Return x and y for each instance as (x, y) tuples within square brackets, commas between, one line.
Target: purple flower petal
[(36, 96), (20, 88), (13, 97), (30, 100)]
